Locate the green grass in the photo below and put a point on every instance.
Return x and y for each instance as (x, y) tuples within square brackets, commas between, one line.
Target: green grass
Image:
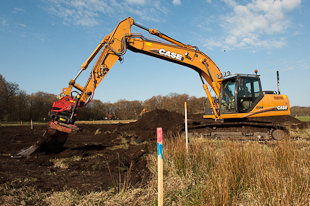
[(305, 119), (77, 122), (105, 122), (22, 123)]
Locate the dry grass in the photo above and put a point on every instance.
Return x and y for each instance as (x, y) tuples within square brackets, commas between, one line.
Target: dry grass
[(242, 173), (105, 122), (218, 172)]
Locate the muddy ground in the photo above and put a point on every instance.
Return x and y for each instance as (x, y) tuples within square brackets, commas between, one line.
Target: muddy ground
[(90, 157)]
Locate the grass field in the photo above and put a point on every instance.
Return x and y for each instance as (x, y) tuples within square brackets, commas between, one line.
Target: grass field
[(105, 122), (77, 122), (21, 123), (213, 172), (306, 118)]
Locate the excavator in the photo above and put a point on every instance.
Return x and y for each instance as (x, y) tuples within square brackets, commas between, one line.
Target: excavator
[(237, 96), (143, 112)]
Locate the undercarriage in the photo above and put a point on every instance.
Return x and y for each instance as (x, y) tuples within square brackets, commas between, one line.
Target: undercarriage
[(261, 129)]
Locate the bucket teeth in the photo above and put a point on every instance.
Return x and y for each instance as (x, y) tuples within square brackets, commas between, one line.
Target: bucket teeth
[(51, 141)]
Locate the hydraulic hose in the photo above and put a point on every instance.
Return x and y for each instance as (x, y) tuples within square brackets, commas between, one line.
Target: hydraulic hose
[(124, 46)]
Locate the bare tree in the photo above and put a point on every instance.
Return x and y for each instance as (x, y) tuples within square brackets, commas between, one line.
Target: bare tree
[(22, 106), (8, 91), (40, 104), (127, 109), (153, 103)]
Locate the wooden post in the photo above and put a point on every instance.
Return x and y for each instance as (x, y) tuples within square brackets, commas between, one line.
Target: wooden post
[(31, 124), (186, 130), (160, 166)]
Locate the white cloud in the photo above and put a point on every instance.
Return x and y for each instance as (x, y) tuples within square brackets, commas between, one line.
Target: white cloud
[(79, 12), (296, 33), (90, 13), (3, 21), (140, 2), (209, 1), (18, 10), (231, 40), (256, 24), (177, 2)]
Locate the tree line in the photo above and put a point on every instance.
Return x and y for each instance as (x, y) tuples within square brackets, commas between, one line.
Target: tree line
[(300, 111), (17, 105)]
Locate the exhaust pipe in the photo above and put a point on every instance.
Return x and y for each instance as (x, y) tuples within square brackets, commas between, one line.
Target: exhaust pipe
[(278, 82)]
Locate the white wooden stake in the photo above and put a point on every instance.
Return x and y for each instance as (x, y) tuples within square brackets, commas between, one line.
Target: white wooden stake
[(186, 130), (160, 166)]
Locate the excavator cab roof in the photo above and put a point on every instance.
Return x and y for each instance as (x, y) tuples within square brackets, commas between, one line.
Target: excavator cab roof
[(228, 75)]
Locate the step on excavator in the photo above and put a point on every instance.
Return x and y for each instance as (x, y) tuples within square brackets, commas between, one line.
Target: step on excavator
[(238, 97)]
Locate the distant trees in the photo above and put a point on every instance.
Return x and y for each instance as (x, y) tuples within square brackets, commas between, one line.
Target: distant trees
[(127, 109), (8, 92), (300, 111), (175, 102), (16, 105), (40, 103), (95, 110)]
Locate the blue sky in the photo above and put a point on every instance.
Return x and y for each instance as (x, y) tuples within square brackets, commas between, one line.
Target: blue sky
[(43, 43)]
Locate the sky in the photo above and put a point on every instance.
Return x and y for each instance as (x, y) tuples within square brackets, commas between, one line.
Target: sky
[(43, 44)]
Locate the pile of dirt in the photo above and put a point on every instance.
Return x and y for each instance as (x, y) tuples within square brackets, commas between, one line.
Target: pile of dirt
[(169, 121)]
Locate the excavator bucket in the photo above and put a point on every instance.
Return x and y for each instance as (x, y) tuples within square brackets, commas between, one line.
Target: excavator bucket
[(51, 141)]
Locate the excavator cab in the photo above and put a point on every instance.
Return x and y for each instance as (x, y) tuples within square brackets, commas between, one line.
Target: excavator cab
[(240, 93)]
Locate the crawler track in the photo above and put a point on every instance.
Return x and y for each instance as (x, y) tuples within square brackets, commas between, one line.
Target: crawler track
[(262, 129), (240, 130)]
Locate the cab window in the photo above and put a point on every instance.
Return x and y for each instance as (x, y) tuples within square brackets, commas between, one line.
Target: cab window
[(228, 97)]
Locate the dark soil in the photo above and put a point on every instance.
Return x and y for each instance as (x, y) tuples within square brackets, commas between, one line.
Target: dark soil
[(91, 155)]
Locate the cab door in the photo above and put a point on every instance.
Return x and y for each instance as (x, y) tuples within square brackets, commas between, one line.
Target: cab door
[(248, 90), (228, 97)]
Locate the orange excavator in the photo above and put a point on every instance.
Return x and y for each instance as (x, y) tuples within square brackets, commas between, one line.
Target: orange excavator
[(143, 112), (237, 96)]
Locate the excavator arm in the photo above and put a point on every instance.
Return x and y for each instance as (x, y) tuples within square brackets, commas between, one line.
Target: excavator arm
[(113, 47)]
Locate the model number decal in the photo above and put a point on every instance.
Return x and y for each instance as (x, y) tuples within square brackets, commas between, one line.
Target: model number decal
[(171, 54), (282, 108)]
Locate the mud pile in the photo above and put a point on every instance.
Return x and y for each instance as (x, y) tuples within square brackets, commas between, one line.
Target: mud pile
[(169, 121)]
